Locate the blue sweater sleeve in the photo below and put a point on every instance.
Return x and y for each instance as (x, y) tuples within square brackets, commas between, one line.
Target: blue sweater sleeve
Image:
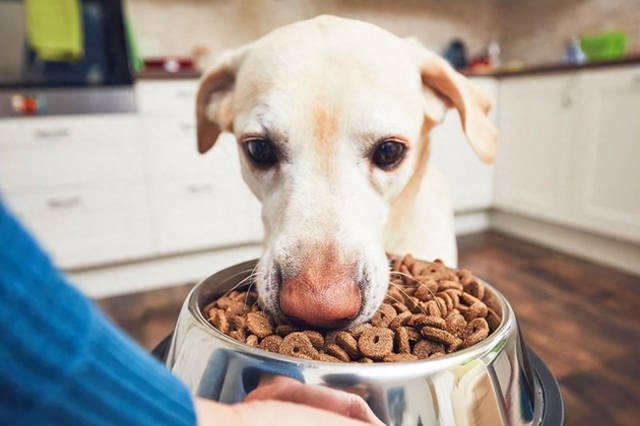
[(62, 361)]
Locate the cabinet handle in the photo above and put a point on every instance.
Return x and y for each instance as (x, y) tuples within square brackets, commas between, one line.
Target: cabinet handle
[(199, 188), (52, 133), (63, 202)]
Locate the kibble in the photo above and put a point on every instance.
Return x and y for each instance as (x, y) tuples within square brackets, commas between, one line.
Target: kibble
[(259, 324), (297, 344), (271, 343), (349, 343), (429, 310), (376, 343)]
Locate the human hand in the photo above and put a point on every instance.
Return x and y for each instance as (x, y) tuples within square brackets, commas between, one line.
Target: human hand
[(284, 401), (289, 390), (267, 413)]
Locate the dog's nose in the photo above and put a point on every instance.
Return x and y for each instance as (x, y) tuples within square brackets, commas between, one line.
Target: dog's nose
[(323, 293), (320, 302)]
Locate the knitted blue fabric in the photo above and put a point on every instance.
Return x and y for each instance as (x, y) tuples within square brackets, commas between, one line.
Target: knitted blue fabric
[(61, 361)]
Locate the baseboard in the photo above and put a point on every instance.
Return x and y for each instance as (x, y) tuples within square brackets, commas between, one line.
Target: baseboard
[(595, 248), (159, 273), (151, 274), (471, 222)]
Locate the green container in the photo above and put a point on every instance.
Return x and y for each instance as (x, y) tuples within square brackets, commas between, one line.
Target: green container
[(604, 46)]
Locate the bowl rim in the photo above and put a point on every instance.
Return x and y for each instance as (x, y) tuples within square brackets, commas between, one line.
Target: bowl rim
[(479, 350)]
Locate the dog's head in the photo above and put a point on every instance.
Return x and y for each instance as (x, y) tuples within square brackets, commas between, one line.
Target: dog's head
[(329, 115)]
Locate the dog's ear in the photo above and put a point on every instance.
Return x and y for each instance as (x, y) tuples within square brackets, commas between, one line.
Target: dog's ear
[(214, 113), (473, 104)]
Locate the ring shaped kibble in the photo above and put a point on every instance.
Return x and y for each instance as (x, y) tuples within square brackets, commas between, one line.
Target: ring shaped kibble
[(376, 343), (429, 310)]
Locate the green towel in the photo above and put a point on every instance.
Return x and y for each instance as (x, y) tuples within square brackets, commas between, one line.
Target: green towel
[(54, 29), (135, 58)]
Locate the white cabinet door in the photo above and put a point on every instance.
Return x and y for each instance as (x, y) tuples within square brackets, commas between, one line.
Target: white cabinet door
[(167, 97), (570, 150), (58, 151), (536, 152), (86, 226), (470, 180), (609, 149), (171, 149), (201, 214), (198, 201)]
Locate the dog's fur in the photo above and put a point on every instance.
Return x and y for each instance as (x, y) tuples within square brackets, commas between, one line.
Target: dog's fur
[(325, 91)]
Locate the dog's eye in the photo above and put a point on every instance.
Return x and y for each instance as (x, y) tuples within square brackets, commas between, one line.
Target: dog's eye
[(387, 154), (262, 152)]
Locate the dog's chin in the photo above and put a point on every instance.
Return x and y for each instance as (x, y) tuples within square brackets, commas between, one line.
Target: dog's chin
[(373, 286)]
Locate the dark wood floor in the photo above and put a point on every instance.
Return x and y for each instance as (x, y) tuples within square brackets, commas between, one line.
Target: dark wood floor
[(580, 318)]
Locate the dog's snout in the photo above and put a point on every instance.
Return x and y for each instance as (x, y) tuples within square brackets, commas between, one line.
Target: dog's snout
[(324, 293), (324, 303)]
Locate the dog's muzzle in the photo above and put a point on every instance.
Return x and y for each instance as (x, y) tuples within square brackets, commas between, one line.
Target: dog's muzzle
[(321, 295)]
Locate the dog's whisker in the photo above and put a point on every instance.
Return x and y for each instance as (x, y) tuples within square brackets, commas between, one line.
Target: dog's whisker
[(246, 297), (399, 287), (241, 282), (414, 279)]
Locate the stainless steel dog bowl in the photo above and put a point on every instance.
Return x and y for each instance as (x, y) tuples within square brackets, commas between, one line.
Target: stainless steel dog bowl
[(491, 383)]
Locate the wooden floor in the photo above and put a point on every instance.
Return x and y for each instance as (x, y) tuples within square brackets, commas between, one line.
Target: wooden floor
[(580, 318)]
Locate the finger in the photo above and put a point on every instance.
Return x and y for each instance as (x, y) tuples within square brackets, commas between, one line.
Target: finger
[(210, 413), (268, 413), (340, 402)]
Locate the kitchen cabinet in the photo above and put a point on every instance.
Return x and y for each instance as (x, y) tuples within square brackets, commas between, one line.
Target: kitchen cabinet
[(609, 197), (78, 185), (57, 151), (197, 201), (166, 97), (470, 180), (103, 189), (85, 226), (570, 150)]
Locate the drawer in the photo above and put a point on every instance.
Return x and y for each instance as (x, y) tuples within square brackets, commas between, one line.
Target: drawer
[(51, 152), (167, 97), (171, 152), (81, 227), (200, 214)]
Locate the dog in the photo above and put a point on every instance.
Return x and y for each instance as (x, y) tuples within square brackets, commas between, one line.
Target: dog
[(332, 119)]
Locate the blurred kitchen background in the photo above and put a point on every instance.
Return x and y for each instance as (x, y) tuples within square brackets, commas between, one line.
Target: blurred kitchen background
[(98, 158)]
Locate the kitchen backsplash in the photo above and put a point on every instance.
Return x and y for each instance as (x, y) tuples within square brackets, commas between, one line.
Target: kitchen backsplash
[(173, 27), (533, 31)]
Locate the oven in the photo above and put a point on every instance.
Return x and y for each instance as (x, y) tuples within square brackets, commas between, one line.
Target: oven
[(64, 57)]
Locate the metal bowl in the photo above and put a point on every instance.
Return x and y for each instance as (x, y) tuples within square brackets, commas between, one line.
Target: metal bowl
[(490, 383)]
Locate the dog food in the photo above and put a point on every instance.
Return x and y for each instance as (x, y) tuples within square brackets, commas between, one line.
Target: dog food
[(429, 310)]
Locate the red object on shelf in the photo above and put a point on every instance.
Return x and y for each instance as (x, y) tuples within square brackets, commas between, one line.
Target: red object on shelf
[(169, 64)]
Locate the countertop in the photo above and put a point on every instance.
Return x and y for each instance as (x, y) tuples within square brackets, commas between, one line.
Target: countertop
[(552, 68), (499, 72), (165, 75)]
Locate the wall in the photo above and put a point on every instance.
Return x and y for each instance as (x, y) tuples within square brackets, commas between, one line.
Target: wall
[(174, 27), (531, 30), (536, 30)]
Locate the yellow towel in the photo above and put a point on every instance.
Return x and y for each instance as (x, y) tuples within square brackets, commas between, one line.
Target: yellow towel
[(54, 29)]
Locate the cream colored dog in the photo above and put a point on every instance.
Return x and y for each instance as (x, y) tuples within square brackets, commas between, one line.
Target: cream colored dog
[(332, 118)]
